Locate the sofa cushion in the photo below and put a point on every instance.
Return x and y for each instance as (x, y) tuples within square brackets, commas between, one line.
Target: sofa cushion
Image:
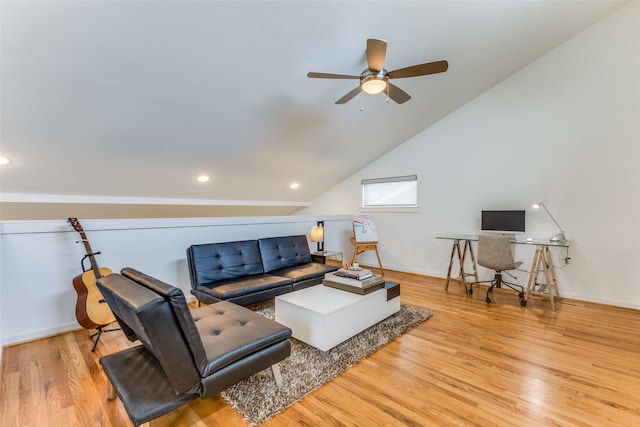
[(234, 288), (307, 271), (283, 252), (230, 332), (213, 262), (142, 385)]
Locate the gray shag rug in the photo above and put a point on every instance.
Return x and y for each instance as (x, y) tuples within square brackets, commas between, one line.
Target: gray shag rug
[(258, 398)]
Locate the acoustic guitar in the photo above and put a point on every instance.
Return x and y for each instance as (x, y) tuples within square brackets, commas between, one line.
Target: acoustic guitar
[(92, 311)]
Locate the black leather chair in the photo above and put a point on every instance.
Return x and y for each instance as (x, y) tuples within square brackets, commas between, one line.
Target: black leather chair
[(185, 354)]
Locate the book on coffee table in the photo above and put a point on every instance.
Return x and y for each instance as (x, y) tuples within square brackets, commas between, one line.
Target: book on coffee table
[(359, 274), (361, 287)]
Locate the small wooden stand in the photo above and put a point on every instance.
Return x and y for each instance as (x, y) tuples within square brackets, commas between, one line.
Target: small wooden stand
[(359, 247)]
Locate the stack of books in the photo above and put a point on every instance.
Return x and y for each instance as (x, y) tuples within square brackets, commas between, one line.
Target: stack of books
[(358, 274), (337, 280)]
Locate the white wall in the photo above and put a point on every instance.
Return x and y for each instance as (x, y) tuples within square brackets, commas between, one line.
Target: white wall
[(40, 259), (564, 129)]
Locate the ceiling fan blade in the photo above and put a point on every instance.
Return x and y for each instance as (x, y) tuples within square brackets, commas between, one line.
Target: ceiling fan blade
[(376, 52), (420, 70), (398, 94), (348, 97), (331, 76)]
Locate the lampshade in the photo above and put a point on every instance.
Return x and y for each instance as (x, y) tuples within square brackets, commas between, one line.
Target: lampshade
[(373, 85), (317, 234), (556, 237)]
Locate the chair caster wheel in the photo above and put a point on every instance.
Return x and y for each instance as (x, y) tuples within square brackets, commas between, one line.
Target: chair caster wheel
[(523, 302), (470, 291), (488, 300)]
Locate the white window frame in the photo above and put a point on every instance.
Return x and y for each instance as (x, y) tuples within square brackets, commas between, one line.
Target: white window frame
[(391, 192)]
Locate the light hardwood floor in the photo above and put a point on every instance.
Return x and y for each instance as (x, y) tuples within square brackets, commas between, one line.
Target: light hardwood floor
[(471, 364)]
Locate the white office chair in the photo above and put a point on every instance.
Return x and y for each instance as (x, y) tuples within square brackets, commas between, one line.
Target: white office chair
[(494, 252)]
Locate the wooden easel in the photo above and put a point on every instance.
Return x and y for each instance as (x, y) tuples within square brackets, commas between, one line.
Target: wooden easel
[(365, 237), (359, 247)]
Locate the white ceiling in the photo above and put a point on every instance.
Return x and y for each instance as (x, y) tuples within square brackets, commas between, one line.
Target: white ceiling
[(136, 98)]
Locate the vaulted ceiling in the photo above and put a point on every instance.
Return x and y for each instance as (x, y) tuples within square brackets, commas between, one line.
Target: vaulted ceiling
[(129, 101)]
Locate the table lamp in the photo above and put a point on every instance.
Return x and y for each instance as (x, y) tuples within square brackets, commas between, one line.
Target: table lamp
[(556, 237), (317, 235)]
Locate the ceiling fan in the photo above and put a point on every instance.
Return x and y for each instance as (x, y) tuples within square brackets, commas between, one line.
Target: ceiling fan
[(375, 79)]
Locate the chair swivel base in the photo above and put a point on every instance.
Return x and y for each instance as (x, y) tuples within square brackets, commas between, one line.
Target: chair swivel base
[(497, 282)]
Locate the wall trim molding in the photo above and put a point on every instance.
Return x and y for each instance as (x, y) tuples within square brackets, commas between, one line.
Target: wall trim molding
[(124, 200), (57, 226)]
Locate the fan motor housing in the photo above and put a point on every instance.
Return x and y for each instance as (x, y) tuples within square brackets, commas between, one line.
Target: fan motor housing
[(370, 81), (368, 74)]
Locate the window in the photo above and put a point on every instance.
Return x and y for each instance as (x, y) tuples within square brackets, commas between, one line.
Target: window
[(399, 191)]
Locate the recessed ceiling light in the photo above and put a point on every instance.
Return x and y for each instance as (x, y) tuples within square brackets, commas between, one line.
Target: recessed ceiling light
[(203, 178), (4, 160), (294, 185)]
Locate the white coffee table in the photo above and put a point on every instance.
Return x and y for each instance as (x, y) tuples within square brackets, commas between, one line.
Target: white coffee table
[(323, 317)]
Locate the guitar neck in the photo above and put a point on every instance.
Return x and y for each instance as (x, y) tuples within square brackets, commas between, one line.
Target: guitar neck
[(92, 259), (91, 256)]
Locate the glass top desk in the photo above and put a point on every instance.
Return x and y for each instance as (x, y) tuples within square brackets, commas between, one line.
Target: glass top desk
[(542, 262)]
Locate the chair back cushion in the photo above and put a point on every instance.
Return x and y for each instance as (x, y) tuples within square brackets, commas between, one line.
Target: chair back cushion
[(175, 297), (151, 317), (213, 262), (283, 252), (494, 252)]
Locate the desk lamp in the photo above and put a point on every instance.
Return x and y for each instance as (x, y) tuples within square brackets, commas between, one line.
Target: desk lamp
[(317, 235), (556, 237)]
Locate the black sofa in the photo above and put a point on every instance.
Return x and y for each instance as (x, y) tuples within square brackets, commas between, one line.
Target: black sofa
[(185, 354), (250, 271)]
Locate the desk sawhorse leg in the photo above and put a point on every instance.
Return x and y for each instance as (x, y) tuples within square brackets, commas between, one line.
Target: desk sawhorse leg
[(462, 254), (542, 261)]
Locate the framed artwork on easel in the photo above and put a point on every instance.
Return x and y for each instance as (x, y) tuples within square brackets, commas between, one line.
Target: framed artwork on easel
[(365, 237), (364, 228)]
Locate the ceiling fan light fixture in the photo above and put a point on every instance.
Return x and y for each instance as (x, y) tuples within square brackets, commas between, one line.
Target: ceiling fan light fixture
[(376, 79), (374, 83)]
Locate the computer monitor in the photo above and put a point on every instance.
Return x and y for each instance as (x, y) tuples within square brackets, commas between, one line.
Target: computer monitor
[(512, 221)]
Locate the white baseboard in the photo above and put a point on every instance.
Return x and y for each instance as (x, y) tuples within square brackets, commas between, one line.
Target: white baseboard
[(42, 333)]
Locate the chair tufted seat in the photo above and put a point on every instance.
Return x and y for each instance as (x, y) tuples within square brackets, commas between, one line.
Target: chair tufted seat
[(230, 332)]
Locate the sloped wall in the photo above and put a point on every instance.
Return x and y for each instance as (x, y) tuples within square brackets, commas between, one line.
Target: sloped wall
[(566, 130)]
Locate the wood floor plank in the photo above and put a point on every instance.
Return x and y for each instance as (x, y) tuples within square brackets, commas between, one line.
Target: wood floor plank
[(472, 364), (9, 406)]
